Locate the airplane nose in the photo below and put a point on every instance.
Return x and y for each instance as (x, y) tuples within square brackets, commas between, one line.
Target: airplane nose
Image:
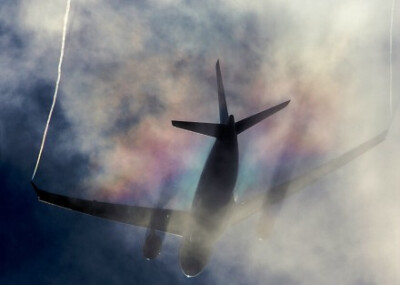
[(192, 266), (193, 258)]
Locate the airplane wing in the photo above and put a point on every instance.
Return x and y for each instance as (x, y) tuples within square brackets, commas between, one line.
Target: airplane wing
[(278, 192), (170, 221)]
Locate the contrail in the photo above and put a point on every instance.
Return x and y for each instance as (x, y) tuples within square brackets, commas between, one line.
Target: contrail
[(390, 60), (56, 89)]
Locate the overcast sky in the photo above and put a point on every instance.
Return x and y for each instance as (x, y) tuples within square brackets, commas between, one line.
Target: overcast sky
[(130, 67)]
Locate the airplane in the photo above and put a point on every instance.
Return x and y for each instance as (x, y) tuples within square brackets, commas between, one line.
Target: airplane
[(213, 208)]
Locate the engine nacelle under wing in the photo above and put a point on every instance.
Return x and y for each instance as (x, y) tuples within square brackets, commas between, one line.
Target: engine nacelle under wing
[(152, 246)]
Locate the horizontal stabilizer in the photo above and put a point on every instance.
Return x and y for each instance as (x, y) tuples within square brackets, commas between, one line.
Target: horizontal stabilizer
[(248, 122), (207, 129)]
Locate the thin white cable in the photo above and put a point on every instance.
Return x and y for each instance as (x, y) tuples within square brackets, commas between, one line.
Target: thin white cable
[(56, 89)]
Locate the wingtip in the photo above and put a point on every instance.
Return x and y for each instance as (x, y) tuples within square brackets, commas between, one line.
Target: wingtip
[(37, 190), (33, 185), (284, 104), (384, 134)]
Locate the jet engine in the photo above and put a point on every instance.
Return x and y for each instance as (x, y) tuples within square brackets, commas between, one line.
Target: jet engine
[(152, 246)]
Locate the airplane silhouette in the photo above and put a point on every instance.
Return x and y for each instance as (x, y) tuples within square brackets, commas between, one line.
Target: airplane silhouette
[(213, 208)]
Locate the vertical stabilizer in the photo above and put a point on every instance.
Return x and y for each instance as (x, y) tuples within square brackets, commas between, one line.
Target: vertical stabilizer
[(223, 110)]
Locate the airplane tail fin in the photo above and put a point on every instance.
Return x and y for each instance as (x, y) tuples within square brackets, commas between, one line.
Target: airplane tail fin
[(215, 130), (223, 109), (248, 122), (207, 129)]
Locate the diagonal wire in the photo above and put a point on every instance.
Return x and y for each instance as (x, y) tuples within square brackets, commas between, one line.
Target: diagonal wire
[(56, 89)]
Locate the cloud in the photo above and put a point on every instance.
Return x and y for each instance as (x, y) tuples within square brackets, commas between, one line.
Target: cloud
[(130, 68)]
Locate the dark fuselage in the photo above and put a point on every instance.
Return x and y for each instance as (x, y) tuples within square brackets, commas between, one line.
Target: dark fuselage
[(212, 201)]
